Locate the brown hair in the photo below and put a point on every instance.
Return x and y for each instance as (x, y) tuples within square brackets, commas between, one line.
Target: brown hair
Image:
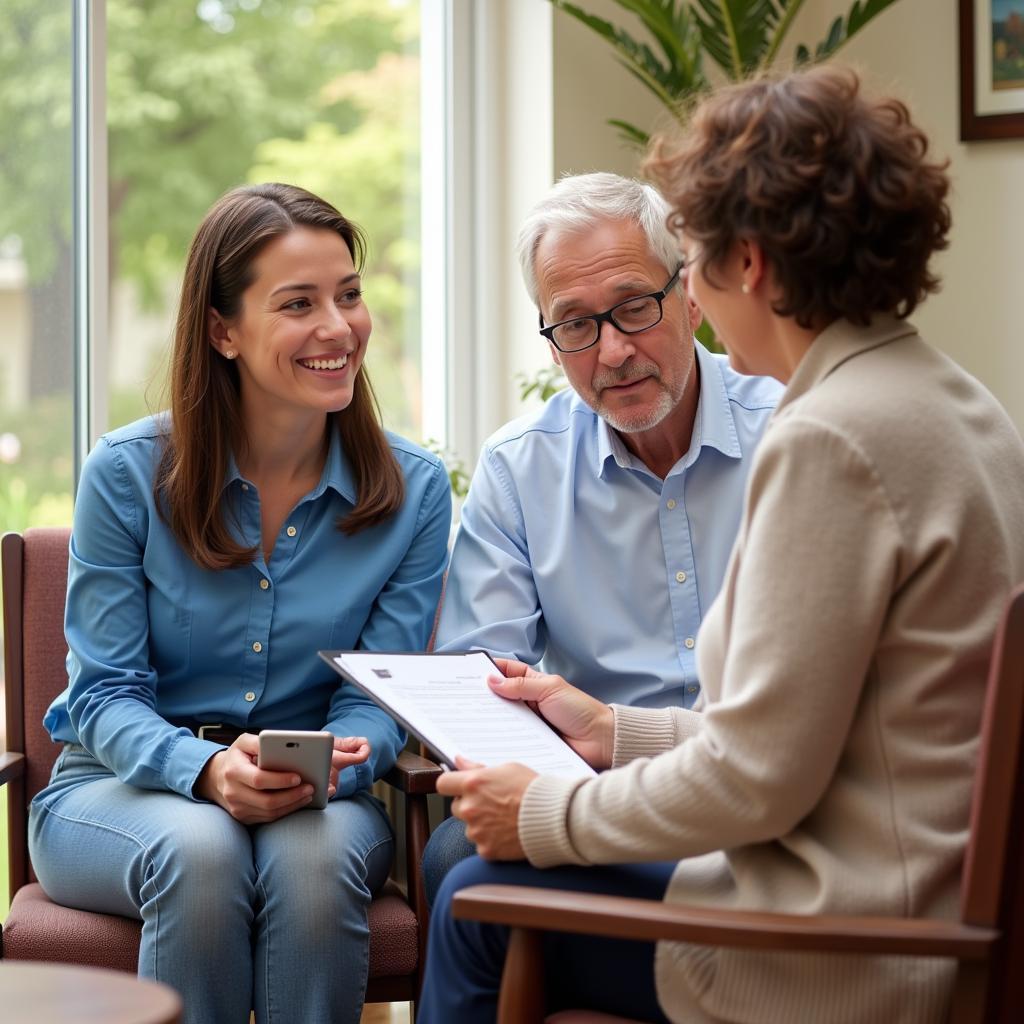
[(206, 423), (834, 186)]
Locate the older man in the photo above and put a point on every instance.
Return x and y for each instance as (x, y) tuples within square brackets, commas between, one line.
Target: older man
[(596, 531)]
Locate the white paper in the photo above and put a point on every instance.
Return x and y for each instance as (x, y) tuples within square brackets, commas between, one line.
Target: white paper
[(445, 699)]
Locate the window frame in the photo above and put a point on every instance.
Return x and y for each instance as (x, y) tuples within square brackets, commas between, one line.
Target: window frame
[(487, 88)]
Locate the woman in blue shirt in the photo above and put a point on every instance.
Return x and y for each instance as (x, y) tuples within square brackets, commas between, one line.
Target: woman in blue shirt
[(214, 550)]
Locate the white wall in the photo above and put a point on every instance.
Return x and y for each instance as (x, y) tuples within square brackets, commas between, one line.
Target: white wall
[(912, 50), (589, 88), (585, 87), (501, 165)]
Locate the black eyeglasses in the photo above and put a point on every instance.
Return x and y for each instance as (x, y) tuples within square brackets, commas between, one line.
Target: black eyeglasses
[(631, 316)]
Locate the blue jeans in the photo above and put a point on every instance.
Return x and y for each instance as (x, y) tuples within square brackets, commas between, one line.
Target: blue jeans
[(465, 958), (446, 847), (267, 917)]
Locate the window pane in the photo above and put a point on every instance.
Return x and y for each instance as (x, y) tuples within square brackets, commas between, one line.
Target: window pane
[(36, 282), (204, 96)]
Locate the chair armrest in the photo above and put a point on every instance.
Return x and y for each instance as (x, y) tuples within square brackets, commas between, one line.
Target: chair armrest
[(413, 774), (12, 766), (652, 920)]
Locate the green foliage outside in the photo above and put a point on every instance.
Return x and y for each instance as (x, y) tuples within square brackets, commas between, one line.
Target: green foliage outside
[(203, 97), (458, 475)]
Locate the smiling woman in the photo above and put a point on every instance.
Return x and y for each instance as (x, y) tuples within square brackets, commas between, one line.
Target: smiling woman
[(297, 344), (213, 551), (280, 267)]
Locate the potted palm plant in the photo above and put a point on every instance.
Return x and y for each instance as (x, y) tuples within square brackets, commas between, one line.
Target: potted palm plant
[(737, 37)]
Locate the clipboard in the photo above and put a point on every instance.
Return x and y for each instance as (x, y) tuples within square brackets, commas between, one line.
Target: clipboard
[(444, 701)]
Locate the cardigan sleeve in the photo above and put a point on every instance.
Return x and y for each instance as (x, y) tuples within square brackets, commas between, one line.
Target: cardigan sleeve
[(791, 639)]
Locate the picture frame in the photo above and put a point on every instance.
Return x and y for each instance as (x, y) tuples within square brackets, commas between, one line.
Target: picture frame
[(991, 69)]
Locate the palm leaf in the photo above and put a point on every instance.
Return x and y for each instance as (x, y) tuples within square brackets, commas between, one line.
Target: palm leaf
[(630, 134), (790, 8), (738, 33), (674, 29), (740, 36), (841, 31), (671, 24)]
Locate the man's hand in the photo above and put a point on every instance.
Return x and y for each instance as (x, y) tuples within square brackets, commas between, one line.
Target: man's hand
[(586, 724), (249, 794), (488, 800)]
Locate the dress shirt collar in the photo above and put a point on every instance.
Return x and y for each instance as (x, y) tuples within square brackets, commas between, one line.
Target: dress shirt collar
[(337, 473), (713, 424), (841, 341)]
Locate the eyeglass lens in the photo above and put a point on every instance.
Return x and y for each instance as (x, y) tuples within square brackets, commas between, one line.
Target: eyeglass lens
[(631, 316)]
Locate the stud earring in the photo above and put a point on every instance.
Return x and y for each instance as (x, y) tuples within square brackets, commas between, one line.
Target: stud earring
[(230, 354), (745, 288)]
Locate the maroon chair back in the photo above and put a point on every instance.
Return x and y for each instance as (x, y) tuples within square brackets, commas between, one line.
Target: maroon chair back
[(35, 667), (35, 569)]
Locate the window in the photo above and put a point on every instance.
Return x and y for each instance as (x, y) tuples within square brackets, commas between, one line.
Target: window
[(36, 263), (198, 97), (202, 97)]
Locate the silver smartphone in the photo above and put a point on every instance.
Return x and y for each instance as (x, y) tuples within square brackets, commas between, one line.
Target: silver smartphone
[(308, 754)]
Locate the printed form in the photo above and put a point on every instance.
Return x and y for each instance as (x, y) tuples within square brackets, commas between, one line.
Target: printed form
[(445, 701)]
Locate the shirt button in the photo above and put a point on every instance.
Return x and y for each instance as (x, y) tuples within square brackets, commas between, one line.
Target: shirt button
[(250, 696), (245, 487), (264, 584), (257, 647), (680, 577), (291, 531), (691, 689), (688, 643), (671, 503)]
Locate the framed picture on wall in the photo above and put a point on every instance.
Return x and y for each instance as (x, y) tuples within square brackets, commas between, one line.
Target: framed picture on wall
[(991, 69)]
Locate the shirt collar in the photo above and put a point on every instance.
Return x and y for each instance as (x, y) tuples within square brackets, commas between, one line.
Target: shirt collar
[(840, 341), (713, 423), (337, 473)]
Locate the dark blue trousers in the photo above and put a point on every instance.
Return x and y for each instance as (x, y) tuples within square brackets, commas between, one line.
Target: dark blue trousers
[(465, 958)]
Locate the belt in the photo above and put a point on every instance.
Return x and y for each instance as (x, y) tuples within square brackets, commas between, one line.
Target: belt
[(216, 732)]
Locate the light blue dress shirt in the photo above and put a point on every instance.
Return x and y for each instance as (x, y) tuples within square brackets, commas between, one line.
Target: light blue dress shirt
[(571, 552), (156, 640)]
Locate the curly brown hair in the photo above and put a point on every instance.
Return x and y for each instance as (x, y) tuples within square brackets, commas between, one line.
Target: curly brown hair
[(834, 186)]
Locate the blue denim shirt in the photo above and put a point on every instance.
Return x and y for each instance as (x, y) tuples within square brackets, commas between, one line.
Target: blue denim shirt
[(154, 639), (570, 551)]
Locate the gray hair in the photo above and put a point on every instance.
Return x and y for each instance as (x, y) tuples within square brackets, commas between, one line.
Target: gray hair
[(580, 201)]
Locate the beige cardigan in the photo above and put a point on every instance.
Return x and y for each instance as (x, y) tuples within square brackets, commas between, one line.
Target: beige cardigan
[(843, 667)]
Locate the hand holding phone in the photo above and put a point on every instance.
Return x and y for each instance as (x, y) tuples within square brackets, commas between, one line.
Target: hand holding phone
[(307, 754)]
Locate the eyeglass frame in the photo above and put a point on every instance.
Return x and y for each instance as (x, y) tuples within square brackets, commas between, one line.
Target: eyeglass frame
[(606, 316)]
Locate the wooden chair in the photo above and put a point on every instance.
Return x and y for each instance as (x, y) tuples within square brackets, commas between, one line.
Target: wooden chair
[(987, 940), (35, 570)]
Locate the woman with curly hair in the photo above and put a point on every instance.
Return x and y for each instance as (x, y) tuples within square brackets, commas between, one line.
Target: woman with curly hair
[(844, 661)]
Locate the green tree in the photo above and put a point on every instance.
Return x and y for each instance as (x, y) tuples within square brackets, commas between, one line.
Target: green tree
[(35, 176), (195, 89), (192, 90), (366, 172), (201, 96)]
